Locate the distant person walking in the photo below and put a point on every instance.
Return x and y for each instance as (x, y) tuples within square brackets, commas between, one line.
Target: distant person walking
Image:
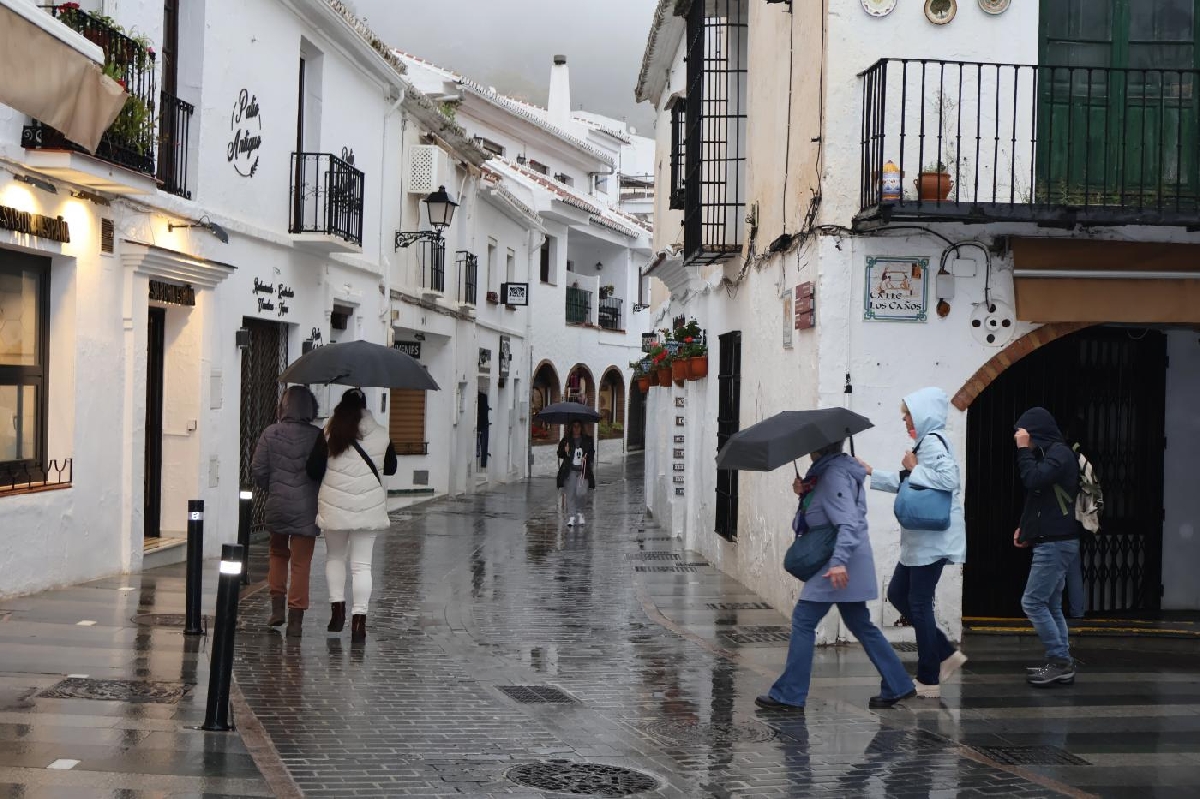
[(351, 504), (1049, 470), (832, 494), (278, 467), (576, 475), (930, 464)]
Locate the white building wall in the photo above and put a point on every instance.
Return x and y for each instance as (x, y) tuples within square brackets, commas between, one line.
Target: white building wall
[(1181, 542)]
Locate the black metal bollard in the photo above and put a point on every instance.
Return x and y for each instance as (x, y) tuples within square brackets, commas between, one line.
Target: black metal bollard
[(220, 671), (195, 567), (245, 509)]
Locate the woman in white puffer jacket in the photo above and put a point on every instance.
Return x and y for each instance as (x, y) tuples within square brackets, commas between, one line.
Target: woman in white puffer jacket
[(351, 503)]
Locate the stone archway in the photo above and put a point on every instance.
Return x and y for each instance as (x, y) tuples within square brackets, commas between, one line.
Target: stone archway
[(611, 399), (580, 386), (1014, 352), (543, 391)]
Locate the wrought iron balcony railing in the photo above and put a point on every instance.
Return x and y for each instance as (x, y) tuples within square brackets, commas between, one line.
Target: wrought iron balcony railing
[(430, 257), (468, 277), (174, 129), (33, 476), (977, 142), (610, 313), (327, 197), (579, 306), (129, 141)]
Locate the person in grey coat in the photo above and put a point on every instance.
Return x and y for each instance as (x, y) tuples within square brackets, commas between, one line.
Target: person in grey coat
[(832, 493), (279, 468)]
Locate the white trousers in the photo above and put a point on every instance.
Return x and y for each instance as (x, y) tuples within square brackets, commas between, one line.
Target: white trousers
[(572, 486), (357, 546)]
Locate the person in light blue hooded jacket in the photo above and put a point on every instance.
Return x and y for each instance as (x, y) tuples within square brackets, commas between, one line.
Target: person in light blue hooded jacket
[(923, 554)]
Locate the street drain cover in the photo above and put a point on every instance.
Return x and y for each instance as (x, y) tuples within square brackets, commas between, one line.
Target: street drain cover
[(655, 538), (581, 779), (738, 606), (537, 695), (134, 691), (758, 635), (654, 556), (685, 732), (1030, 756), (905, 646), (686, 568)]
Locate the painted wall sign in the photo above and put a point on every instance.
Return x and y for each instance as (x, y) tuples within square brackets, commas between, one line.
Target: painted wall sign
[(678, 439), (677, 479), (680, 421), (172, 294), (514, 293), (505, 364), (485, 360), (263, 288), (679, 402), (806, 306), (678, 467), (679, 492), (678, 454), (896, 289), (410, 348), (44, 227), (245, 130)]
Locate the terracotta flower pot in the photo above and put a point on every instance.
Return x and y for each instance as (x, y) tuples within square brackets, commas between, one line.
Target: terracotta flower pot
[(664, 376), (679, 371), (933, 186), (698, 367), (643, 383), (652, 377)]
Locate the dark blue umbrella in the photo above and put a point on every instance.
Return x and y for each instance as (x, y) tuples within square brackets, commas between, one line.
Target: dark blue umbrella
[(788, 436), (567, 412), (360, 364)]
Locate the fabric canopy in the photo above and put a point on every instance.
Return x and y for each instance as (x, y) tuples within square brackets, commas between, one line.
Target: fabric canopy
[(45, 77)]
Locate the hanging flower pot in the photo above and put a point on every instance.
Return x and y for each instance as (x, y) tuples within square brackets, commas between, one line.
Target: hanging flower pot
[(679, 370), (664, 376), (652, 377), (643, 383), (698, 367)]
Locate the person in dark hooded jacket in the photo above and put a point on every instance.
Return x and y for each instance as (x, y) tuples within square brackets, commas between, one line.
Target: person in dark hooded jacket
[(1049, 471), (279, 468)]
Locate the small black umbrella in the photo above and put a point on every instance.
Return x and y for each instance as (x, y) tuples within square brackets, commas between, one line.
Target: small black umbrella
[(787, 436), (360, 364), (567, 412)]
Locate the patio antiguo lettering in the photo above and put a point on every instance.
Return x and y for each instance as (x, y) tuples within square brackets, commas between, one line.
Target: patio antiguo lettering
[(246, 127), (172, 294), (43, 227)]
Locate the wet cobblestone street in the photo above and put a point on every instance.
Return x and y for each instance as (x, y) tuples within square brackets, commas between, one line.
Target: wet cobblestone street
[(656, 669)]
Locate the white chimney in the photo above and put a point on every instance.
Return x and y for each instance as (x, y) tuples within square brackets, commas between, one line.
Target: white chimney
[(559, 105)]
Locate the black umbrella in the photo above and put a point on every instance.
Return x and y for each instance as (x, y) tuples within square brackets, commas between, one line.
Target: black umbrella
[(567, 412), (360, 364), (787, 436)]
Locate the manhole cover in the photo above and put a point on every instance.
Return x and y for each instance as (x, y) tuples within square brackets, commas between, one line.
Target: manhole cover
[(656, 538), (581, 779), (654, 556), (758, 635), (687, 732), (905, 646), (1030, 756), (680, 568), (738, 606), (537, 695), (134, 691)]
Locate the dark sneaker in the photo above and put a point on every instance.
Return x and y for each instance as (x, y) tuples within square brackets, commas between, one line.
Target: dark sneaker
[(767, 703), (883, 702), (1053, 673)]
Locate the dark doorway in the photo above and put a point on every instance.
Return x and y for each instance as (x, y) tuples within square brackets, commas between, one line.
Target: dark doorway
[(635, 434), (262, 361), (152, 495), (729, 393), (483, 428), (1107, 388)]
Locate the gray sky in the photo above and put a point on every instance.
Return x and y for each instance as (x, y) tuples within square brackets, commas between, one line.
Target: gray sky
[(509, 44)]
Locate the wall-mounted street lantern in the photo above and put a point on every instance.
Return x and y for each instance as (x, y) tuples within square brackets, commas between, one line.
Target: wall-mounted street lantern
[(440, 209)]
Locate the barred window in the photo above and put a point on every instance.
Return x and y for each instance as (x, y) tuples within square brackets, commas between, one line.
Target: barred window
[(678, 117)]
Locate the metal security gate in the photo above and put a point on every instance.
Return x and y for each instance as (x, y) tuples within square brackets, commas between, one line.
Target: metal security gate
[(1107, 389), (262, 361), (729, 392)]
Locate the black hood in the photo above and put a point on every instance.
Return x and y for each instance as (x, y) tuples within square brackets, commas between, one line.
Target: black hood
[(1042, 428)]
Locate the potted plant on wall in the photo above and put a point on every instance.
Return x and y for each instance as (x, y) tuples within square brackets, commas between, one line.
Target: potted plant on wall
[(607, 291), (934, 183), (640, 375), (660, 359), (693, 350)]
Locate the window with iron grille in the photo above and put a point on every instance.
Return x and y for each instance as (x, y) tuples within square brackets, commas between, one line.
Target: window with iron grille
[(539, 167), (715, 129), (678, 117), (24, 350), (729, 400)]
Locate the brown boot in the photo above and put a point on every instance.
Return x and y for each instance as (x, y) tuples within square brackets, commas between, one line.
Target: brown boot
[(337, 616), (278, 605), (295, 623), (358, 628)]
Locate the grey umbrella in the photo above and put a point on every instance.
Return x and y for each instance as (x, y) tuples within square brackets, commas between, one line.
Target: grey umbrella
[(361, 364), (567, 412), (787, 436)]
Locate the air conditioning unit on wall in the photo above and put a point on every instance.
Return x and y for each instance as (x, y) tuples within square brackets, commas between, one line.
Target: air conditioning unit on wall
[(428, 168)]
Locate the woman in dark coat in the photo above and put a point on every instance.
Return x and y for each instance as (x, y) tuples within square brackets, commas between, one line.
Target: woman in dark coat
[(279, 468), (576, 452)]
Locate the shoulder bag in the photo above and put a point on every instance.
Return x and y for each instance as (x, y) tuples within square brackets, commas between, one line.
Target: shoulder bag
[(367, 458), (923, 509)]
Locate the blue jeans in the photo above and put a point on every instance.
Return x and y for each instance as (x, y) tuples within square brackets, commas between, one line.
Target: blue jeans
[(1042, 601), (792, 686), (1076, 600), (911, 591)]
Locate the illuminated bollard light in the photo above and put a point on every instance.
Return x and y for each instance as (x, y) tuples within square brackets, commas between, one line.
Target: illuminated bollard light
[(245, 510), (220, 673), (195, 568)]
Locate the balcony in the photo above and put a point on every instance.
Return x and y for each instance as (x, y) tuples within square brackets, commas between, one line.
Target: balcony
[(431, 262), (468, 278), (174, 130), (128, 146), (327, 203), (1057, 146), (610, 313), (579, 306)]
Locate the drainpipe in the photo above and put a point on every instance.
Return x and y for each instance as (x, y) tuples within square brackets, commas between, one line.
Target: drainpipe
[(386, 315)]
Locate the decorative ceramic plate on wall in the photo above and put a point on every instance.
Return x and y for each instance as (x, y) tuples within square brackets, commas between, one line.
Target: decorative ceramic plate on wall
[(939, 12), (995, 6), (879, 8)]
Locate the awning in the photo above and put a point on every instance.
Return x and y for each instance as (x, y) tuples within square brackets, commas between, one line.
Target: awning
[(54, 75), (1091, 280)]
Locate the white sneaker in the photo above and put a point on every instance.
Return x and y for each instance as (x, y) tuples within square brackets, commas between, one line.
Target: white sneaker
[(581, 519), (571, 522), (928, 691), (951, 665)]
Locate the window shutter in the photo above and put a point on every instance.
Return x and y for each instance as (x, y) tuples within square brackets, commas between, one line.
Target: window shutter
[(407, 422)]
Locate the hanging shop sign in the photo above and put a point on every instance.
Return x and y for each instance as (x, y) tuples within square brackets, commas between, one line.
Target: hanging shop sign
[(44, 227), (245, 130), (649, 340), (514, 293), (896, 289), (806, 306), (410, 348), (313, 341), (171, 294), (505, 364), (485, 360)]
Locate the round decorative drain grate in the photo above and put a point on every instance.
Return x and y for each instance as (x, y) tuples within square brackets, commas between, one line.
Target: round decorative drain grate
[(581, 779), (687, 732)]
